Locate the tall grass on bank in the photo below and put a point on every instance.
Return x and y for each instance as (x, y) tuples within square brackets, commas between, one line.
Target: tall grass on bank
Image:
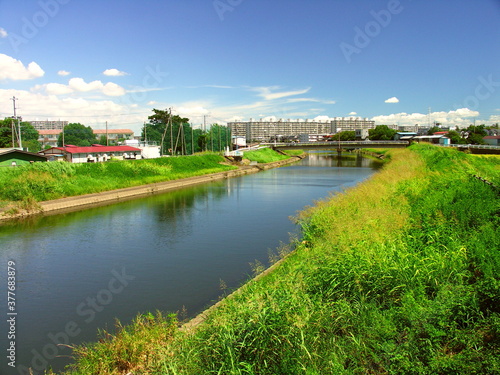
[(264, 155), (399, 275), (45, 181)]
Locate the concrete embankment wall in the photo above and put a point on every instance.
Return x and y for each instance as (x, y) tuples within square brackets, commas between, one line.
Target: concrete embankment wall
[(108, 197)]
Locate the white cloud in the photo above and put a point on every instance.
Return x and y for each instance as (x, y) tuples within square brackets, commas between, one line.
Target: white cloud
[(3, 33), (114, 73), (460, 117), (63, 73), (79, 85), (37, 105), (267, 94), (312, 100), (392, 100), (352, 113), (12, 69), (56, 89), (112, 89)]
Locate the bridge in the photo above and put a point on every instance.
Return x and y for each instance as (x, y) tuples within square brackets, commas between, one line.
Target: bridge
[(350, 145), (336, 145)]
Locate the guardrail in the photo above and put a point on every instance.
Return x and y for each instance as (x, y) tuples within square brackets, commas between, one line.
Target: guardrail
[(486, 147), (335, 143)]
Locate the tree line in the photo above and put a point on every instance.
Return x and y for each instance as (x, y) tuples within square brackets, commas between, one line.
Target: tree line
[(173, 133)]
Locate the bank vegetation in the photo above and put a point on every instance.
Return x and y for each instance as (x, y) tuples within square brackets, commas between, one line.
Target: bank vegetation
[(399, 275)]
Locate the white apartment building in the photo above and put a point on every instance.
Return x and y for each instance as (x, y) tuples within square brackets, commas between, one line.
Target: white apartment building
[(267, 131)]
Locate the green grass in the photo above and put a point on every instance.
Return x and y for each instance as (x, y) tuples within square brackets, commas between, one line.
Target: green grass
[(293, 152), (399, 275), (45, 181), (264, 155)]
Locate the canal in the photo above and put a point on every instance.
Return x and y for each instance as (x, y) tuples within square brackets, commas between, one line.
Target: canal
[(77, 272)]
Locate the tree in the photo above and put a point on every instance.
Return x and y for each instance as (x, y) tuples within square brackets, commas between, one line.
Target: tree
[(78, 135), (382, 133), (217, 137), (345, 136), (102, 140), (172, 136), (455, 137), (476, 134), (29, 135), (433, 130)]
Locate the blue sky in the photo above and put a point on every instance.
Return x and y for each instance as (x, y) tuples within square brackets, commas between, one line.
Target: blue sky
[(96, 61)]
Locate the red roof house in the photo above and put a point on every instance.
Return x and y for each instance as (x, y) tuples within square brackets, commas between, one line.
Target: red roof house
[(91, 154)]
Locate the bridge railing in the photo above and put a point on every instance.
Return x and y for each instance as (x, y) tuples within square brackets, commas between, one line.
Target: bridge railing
[(336, 143), (486, 147)]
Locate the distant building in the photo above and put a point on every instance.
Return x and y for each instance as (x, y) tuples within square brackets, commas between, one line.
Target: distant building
[(48, 125), (361, 134), (404, 136), (92, 154), (435, 139), (351, 124), (49, 137), (268, 131), (114, 135), (493, 140), (148, 150)]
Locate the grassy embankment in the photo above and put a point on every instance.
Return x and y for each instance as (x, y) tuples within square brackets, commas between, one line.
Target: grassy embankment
[(25, 185), (268, 155), (400, 275)]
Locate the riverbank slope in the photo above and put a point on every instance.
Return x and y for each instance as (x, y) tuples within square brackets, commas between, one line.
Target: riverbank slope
[(57, 187), (398, 275)]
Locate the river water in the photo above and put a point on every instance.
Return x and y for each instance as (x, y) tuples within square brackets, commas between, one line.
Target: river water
[(76, 272)]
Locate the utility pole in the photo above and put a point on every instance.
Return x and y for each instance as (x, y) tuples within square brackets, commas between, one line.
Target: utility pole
[(13, 130), (18, 124), (171, 131), (192, 139), (107, 139), (145, 134), (62, 127)]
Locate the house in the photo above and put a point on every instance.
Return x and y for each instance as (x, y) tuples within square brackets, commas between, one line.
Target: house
[(92, 154), (14, 157), (434, 139), (404, 136), (493, 140)]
